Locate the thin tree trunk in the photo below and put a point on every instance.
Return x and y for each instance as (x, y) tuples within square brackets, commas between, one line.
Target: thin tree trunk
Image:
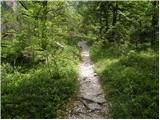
[(43, 20), (106, 16), (154, 23), (115, 13)]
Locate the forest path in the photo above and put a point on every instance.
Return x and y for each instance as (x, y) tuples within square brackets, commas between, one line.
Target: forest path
[(90, 103)]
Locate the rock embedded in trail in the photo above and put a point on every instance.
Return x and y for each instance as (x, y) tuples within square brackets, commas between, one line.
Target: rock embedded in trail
[(91, 103)]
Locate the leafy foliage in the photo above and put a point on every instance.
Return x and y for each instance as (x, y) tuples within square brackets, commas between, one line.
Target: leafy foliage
[(126, 57), (130, 81), (39, 71)]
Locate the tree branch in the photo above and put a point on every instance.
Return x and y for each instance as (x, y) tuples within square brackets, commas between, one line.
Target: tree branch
[(23, 5)]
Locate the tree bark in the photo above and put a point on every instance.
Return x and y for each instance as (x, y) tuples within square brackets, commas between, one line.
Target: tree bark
[(154, 24), (115, 13), (106, 15), (43, 21)]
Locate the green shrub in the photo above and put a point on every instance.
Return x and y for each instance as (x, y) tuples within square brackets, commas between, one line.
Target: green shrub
[(130, 81), (117, 34), (38, 92)]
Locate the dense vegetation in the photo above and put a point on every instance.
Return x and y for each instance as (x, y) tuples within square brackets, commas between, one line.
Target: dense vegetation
[(39, 56), (126, 56), (130, 81), (39, 59)]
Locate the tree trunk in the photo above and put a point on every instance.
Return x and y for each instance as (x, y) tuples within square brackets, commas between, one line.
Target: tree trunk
[(106, 16), (154, 39), (115, 13), (43, 21), (101, 21)]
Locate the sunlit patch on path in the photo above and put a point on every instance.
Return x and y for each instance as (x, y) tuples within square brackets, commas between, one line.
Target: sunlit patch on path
[(91, 101)]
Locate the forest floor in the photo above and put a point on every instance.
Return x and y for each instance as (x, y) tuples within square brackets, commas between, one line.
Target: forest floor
[(90, 102)]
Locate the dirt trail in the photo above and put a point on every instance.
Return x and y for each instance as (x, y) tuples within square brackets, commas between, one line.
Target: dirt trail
[(90, 103)]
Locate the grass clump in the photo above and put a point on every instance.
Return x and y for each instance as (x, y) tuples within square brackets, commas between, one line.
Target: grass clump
[(39, 92), (130, 80)]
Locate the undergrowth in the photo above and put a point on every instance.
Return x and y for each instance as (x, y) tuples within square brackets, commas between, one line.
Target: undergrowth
[(130, 80), (39, 92)]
